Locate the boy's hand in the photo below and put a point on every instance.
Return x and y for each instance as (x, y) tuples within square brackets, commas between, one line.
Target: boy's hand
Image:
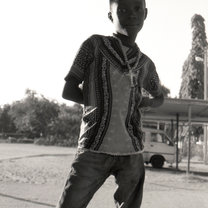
[(145, 102), (73, 91), (154, 102), (144, 109)]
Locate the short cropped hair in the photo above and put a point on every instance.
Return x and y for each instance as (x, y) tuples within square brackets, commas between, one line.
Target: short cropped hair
[(111, 1), (115, 1)]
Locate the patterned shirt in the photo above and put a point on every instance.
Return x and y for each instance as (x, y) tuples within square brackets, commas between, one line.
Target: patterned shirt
[(111, 121)]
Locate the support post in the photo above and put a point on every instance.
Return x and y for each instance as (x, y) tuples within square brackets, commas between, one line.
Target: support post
[(189, 139), (172, 132), (205, 145), (205, 98), (158, 125), (177, 138)]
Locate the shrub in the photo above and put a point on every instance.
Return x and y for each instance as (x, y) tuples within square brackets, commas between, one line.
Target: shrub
[(25, 141), (55, 141), (12, 140), (196, 150)]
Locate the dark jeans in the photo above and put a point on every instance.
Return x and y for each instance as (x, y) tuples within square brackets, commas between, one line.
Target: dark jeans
[(90, 170)]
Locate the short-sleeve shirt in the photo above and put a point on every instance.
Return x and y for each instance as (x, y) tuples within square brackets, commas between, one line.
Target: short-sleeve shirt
[(111, 121)]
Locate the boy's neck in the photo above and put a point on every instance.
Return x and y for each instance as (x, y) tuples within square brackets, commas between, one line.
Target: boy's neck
[(128, 41)]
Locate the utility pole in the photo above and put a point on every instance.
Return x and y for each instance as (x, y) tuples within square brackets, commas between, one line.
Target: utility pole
[(205, 98)]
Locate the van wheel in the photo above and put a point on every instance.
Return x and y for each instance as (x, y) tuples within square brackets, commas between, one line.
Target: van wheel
[(157, 161)]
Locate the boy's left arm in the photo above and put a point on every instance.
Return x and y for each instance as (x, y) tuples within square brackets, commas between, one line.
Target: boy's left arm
[(152, 85), (152, 102)]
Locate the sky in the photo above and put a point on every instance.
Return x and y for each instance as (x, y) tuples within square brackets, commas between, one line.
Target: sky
[(40, 38)]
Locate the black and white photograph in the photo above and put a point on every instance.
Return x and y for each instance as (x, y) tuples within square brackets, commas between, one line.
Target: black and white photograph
[(103, 104)]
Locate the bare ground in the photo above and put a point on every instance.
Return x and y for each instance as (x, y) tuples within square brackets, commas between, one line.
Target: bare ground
[(33, 177)]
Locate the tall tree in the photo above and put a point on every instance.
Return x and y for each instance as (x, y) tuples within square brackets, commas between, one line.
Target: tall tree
[(6, 121), (67, 124), (192, 85), (33, 114)]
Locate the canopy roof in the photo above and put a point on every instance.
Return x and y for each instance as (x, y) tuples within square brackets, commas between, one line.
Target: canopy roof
[(171, 107)]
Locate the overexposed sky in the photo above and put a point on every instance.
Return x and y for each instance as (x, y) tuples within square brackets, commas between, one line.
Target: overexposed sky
[(40, 38)]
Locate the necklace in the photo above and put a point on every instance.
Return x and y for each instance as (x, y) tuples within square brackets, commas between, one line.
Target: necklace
[(132, 70)]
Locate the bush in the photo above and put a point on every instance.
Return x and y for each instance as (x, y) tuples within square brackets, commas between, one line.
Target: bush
[(196, 150), (12, 140), (199, 151), (19, 140), (25, 141), (55, 141)]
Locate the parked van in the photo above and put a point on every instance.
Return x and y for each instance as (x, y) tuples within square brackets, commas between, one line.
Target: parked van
[(158, 148)]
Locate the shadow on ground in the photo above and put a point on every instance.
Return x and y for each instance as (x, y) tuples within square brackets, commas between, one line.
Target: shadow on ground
[(174, 170), (26, 200)]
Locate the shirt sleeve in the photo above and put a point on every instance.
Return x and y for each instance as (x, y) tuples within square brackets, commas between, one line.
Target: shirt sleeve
[(152, 82), (82, 61)]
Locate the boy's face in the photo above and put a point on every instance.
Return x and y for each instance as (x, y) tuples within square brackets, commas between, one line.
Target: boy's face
[(128, 15)]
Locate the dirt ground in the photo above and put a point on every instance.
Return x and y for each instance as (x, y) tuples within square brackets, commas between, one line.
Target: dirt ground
[(33, 176)]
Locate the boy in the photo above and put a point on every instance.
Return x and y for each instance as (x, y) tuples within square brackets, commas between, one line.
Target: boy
[(112, 71)]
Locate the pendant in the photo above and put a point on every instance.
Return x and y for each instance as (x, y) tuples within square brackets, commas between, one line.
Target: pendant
[(133, 77)]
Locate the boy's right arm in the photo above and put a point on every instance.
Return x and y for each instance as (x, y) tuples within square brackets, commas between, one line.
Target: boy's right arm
[(75, 77), (72, 91)]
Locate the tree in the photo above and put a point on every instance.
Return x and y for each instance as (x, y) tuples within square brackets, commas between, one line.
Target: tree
[(192, 85), (33, 114), (67, 124), (6, 122)]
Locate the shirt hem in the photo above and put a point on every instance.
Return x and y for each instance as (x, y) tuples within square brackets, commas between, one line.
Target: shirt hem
[(110, 153)]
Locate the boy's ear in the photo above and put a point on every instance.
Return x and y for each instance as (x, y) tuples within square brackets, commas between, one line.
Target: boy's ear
[(146, 12), (110, 16)]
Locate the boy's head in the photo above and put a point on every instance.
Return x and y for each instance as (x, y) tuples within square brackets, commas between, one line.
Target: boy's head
[(127, 15)]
